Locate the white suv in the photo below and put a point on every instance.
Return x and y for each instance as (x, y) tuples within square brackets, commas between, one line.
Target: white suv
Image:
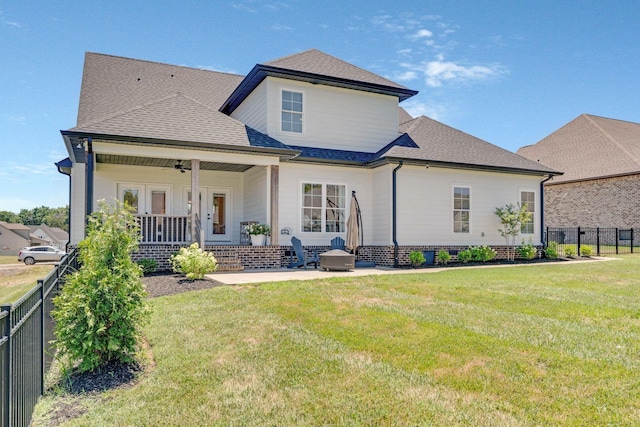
[(35, 254)]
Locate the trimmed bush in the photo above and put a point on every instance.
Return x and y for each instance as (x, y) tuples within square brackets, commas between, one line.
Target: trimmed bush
[(102, 306), (193, 262), (551, 250), (444, 257), (527, 250), (148, 265), (586, 250), (416, 258), (570, 251), (464, 256), (482, 253)]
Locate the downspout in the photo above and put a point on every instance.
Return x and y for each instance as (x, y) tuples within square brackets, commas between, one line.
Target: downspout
[(89, 189), (66, 247), (394, 214), (542, 229)]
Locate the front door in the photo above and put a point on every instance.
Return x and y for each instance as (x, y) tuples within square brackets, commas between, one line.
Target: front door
[(215, 214)]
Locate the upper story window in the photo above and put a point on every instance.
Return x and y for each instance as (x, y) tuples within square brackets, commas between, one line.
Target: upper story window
[(461, 209), (528, 198), (291, 111), (323, 208)]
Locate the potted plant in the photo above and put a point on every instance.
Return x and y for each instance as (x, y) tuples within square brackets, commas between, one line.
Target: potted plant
[(258, 233)]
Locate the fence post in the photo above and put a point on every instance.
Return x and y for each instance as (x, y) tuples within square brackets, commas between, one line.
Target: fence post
[(617, 239), (598, 240), (579, 234), (42, 335), (8, 369), (631, 239)]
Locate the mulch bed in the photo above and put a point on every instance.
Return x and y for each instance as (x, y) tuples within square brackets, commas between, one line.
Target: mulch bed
[(165, 283)]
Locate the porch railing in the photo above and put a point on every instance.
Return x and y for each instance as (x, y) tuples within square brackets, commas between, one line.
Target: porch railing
[(164, 229)]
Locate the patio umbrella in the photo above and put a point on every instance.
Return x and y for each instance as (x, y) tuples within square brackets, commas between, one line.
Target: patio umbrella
[(353, 225)]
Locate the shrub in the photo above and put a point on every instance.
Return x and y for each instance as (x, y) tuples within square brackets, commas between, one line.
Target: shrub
[(586, 250), (148, 265), (482, 253), (464, 256), (102, 306), (193, 262), (527, 250), (551, 251), (570, 250), (444, 257), (416, 258), (256, 229)]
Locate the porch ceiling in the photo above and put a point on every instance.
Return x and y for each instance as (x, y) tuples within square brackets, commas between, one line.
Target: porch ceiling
[(168, 163)]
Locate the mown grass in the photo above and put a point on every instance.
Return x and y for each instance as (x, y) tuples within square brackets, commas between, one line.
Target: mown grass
[(9, 259), (15, 282), (536, 345)]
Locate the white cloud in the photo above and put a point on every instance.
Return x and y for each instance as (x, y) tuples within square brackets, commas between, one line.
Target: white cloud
[(440, 71), (406, 76), (216, 68), (422, 34), (418, 108)]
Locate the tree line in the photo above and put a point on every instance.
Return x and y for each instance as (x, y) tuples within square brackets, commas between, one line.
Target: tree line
[(53, 217)]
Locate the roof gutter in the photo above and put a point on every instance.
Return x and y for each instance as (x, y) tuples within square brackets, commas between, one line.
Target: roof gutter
[(394, 214), (283, 153)]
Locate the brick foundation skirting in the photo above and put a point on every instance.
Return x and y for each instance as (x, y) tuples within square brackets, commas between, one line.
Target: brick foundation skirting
[(270, 257)]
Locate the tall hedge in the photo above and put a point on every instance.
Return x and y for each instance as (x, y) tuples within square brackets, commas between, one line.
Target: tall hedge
[(102, 306)]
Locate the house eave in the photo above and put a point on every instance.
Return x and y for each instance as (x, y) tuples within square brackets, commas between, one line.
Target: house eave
[(594, 178), (283, 154), (460, 166), (260, 72)]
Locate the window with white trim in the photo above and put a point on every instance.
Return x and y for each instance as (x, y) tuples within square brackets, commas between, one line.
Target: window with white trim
[(528, 198), (291, 111), (323, 208), (461, 209)]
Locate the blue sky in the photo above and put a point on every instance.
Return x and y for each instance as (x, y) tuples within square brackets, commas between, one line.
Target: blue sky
[(509, 72)]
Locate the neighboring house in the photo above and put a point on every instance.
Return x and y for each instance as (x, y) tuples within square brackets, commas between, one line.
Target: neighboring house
[(285, 145), (54, 236), (600, 159), (14, 237)]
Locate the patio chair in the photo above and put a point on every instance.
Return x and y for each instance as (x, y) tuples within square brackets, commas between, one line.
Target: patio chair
[(302, 258), (337, 243)]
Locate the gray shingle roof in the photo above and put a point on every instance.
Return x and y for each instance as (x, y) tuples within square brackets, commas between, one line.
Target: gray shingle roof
[(439, 143), (589, 147), (130, 97), (316, 62)]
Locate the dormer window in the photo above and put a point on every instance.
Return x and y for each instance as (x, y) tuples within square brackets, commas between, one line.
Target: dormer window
[(291, 111)]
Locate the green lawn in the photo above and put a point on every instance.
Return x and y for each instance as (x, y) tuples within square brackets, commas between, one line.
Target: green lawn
[(535, 345), (15, 282), (9, 259)]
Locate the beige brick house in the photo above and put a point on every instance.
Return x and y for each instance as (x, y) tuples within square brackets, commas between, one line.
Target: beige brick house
[(600, 187)]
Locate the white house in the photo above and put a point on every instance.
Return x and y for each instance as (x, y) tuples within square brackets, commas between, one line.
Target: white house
[(285, 145)]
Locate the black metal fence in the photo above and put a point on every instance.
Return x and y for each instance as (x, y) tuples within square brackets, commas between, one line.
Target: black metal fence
[(26, 351), (602, 241)]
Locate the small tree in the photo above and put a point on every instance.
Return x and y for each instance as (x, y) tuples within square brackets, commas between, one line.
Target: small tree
[(512, 217), (100, 310)]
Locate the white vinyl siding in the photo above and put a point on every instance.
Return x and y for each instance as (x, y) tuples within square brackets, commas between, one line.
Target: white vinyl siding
[(335, 118), (425, 205), (253, 111)]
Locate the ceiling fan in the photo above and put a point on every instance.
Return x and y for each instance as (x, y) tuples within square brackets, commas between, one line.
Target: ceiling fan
[(179, 166)]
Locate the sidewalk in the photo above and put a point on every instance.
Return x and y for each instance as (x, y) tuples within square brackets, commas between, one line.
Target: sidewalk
[(284, 274)]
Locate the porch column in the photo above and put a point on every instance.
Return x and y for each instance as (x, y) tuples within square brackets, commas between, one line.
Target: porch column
[(195, 202), (275, 182)]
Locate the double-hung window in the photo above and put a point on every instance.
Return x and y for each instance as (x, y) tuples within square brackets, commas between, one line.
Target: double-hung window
[(528, 198), (461, 209), (291, 111), (323, 208)]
